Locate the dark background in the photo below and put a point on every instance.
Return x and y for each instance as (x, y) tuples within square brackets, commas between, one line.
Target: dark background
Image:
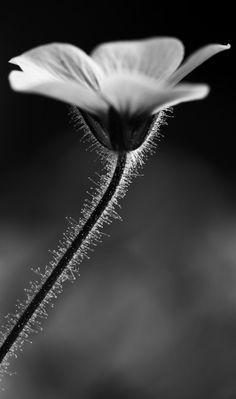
[(154, 312)]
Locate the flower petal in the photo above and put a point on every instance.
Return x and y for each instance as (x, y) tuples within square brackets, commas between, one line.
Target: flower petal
[(63, 61), (179, 94), (139, 95), (195, 60), (156, 57), (35, 80)]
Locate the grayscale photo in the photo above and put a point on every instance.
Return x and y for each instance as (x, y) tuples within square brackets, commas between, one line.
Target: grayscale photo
[(118, 201)]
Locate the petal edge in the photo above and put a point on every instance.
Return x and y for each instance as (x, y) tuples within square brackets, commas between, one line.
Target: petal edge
[(196, 59), (63, 61), (156, 57)]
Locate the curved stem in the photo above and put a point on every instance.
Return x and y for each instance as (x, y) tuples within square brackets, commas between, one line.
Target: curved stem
[(66, 258)]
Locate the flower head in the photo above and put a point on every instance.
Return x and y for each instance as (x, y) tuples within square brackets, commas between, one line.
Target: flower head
[(119, 87)]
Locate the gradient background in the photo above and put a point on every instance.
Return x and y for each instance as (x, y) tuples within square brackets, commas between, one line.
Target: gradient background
[(153, 314)]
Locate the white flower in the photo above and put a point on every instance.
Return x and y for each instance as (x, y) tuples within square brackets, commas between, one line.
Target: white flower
[(134, 79)]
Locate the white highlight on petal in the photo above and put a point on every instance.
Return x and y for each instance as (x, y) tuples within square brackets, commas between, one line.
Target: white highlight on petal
[(196, 59), (155, 57), (129, 93), (37, 82), (64, 61), (182, 93), (134, 94)]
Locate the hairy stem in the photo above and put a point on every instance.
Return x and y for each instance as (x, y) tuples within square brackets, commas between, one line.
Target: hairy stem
[(66, 259)]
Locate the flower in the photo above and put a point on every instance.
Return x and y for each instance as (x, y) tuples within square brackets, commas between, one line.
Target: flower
[(119, 87)]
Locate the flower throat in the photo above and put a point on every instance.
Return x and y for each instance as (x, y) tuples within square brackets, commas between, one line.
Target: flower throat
[(119, 132)]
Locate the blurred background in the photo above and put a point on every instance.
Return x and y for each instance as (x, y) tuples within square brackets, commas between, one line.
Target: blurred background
[(153, 314)]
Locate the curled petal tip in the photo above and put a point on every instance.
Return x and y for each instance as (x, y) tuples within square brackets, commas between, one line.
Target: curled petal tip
[(196, 59), (224, 46), (12, 60), (16, 61)]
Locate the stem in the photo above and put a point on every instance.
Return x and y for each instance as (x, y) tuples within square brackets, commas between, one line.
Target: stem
[(68, 256)]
